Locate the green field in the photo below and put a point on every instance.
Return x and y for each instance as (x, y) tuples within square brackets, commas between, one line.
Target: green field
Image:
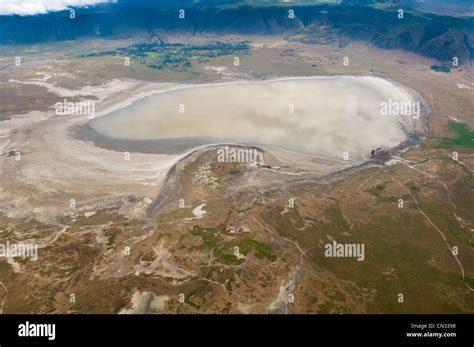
[(465, 137), (224, 250)]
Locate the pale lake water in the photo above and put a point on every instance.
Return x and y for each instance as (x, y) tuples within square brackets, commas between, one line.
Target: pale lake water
[(330, 115)]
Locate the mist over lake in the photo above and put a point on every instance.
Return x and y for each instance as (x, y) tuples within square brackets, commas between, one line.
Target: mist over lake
[(323, 115)]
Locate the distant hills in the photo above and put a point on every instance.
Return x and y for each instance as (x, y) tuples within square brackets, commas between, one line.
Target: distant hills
[(438, 36)]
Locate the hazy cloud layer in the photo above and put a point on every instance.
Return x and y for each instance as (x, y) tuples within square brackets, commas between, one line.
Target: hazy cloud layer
[(32, 7)]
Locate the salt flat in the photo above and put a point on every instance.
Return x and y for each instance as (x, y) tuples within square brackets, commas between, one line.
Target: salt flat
[(324, 116)]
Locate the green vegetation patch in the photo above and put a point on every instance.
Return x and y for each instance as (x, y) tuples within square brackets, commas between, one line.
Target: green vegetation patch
[(377, 190), (207, 235), (261, 250), (224, 251), (162, 55), (430, 208), (459, 234), (468, 181), (111, 235), (465, 137), (227, 258), (148, 257), (211, 241)]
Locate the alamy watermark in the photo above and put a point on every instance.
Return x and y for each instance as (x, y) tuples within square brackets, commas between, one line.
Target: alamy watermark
[(400, 108), (19, 250), (345, 250), (79, 108), (28, 329), (239, 155)]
